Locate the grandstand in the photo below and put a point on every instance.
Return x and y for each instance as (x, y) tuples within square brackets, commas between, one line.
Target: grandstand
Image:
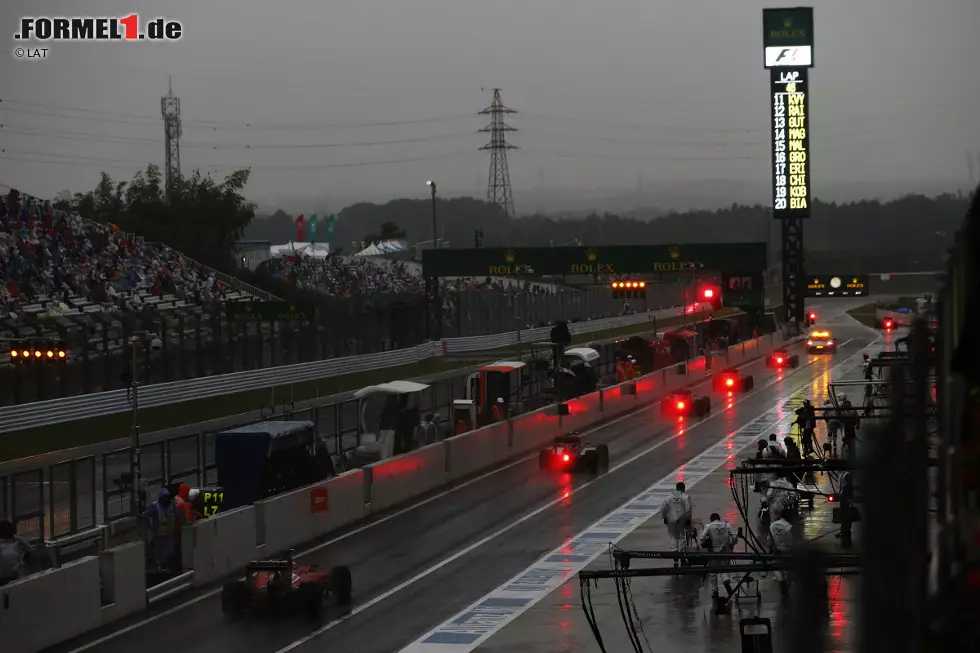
[(91, 286), (68, 278)]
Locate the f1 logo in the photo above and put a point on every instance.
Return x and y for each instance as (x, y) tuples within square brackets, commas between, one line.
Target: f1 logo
[(785, 52)]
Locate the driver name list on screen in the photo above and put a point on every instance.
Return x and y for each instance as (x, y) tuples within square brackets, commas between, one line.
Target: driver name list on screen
[(790, 143)]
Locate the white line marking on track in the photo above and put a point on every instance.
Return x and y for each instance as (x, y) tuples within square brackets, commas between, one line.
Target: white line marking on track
[(414, 579), (215, 592)]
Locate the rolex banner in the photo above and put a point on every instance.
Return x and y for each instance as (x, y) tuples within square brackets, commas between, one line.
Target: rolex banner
[(743, 290)]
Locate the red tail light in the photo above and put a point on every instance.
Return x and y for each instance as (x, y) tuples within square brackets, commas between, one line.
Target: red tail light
[(680, 405)]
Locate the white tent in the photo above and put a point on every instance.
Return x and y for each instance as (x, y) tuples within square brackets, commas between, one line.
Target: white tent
[(316, 250), (383, 248)]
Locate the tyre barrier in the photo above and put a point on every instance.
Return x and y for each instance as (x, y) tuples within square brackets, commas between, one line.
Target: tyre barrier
[(95, 591)]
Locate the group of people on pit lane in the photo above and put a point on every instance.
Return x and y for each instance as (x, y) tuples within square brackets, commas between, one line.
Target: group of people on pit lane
[(779, 501), (718, 536)]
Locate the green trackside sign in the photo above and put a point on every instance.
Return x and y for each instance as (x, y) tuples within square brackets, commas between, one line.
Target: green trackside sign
[(787, 37), (269, 312), (599, 260), (787, 27)]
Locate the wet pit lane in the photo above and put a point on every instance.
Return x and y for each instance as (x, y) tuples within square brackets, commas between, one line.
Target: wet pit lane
[(417, 568)]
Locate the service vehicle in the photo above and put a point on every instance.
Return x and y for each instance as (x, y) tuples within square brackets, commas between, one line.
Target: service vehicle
[(780, 359), (570, 453), (731, 379), (283, 586), (681, 403), (821, 342)]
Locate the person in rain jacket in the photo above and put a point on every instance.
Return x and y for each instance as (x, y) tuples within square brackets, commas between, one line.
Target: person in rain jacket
[(781, 532), (161, 516), (676, 510), (14, 551), (718, 537), (184, 506), (781, 497)]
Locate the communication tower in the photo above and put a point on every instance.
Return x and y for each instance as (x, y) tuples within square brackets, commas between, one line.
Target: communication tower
[(170, 110)]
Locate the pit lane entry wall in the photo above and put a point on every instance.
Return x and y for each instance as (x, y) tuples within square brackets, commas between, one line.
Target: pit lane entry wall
[(93, 592)]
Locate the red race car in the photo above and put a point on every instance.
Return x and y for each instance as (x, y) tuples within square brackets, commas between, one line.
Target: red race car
[(731, 380), (283, 586), (681, 403), (780, 359)]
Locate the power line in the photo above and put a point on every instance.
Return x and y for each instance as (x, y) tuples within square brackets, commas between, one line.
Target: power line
[(36, 108), (641, 157), (27, 155), (140, 140)]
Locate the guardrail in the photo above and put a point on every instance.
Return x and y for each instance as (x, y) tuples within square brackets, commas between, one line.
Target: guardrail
[(56, 411)]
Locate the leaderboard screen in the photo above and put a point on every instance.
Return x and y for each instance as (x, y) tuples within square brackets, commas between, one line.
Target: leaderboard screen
[(790, 143)]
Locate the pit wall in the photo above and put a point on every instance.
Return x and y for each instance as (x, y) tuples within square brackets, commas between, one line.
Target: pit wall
[(56, 605)]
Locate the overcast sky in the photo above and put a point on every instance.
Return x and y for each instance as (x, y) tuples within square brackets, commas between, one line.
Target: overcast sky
[(612, 96)]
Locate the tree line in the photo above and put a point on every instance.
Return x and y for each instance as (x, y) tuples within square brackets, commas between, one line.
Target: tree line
[(204, 218), (909, 224)]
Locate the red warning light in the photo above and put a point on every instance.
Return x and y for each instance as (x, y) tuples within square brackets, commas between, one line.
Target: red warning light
[(729, 382), (708, 293), (889, 324), (566, 457), (680, 405), (779, 360)]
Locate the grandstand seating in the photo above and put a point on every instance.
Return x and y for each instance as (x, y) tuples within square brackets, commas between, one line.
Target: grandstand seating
[(85, 277)]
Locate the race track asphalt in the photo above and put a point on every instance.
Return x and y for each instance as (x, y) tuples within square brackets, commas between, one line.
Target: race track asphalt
[(417, 567)]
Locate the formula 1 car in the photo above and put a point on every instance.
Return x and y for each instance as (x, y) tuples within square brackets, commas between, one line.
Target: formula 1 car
[(282, 586), (811, 318), (821, 342), (780, 359), (569, 453), (731, 380), (681, 403)]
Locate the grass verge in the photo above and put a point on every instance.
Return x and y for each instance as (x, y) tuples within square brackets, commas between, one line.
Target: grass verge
[(30, 442), (866, 314)]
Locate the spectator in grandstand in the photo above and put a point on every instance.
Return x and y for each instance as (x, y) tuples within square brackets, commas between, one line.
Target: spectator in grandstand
[(14, 552), (48, 257)]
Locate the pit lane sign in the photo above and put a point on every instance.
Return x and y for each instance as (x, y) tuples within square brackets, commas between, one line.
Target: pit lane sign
[(838, 285)]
